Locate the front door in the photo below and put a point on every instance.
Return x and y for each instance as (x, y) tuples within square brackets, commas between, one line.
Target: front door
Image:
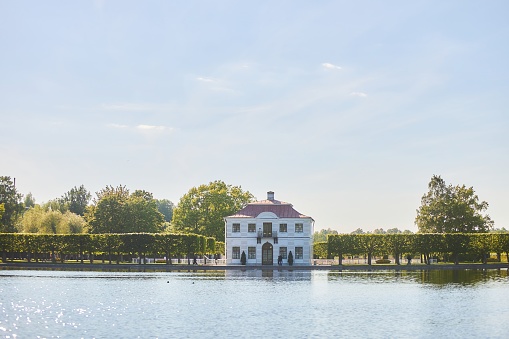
[(267, 250)]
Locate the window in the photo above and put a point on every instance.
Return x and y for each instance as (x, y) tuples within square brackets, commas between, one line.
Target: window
[(251, 252), (267, 229), (235, 252), (282, 252), (283, 228), (299, 228), (299, 253), (251, 227), (236, 228)]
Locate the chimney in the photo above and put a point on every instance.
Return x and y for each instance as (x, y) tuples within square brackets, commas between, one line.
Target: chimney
[(270, 195)]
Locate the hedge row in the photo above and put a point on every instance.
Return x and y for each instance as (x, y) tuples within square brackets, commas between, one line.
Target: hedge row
[(449, 246), (142, 244)]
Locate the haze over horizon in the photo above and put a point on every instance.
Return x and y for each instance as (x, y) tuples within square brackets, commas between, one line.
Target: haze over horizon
[(343, 109)]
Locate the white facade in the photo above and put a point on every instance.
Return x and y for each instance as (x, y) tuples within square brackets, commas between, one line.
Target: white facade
[(266, 229)]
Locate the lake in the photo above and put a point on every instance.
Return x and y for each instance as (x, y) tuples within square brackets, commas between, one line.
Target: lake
[(274, 304)]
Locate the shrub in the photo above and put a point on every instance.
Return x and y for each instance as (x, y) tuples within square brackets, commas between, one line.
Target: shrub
[(383, 261)]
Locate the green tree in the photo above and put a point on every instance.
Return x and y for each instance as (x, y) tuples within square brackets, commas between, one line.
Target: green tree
[(202, 209), (12, 205), (321, 236), (165, 207), (117, 211), (451, 209), (29, 201), (77, 200)]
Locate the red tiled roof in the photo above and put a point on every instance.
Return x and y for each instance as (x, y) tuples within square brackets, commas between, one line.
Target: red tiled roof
[(279, 208)]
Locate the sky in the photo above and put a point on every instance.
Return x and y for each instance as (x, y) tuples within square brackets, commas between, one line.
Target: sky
[(345, 109)]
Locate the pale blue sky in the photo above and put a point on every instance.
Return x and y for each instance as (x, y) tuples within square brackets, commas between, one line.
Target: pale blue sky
[(343, 108)]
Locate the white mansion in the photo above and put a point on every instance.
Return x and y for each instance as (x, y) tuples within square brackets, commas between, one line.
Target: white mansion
[(267, 230)]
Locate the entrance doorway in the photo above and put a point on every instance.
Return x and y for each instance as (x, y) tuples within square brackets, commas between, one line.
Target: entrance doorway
[(267, 254)]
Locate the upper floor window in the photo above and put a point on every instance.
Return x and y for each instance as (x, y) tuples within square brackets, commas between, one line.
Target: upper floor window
[(236, 228), (251, 227), (299, 228), (267, 229), (283, 228)]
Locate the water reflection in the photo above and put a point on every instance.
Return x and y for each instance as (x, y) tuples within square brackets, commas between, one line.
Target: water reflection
[(428, 277), (461, 277), (270, 275)]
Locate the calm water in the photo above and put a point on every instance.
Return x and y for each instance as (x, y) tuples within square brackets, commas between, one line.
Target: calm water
[(298, 304)]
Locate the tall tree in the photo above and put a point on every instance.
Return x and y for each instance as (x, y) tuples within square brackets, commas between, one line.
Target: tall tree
[(451, 209), (77, 200), (12, 205), (116, 211), (166, 207), (320, 236), (29, 200), (202, 209)]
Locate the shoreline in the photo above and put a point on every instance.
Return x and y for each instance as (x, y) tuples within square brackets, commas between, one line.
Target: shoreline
[(176, 268)]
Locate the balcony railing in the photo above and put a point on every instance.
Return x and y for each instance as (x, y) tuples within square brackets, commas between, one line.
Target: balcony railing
[(260, 235)]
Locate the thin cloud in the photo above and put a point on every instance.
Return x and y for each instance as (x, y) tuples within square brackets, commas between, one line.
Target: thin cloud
[(358, 94), (330, 66), (205, 79), (149, 128)]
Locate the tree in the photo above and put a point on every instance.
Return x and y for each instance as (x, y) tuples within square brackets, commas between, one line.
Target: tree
[(202, 209), (77, 200), (29, 201), (12, 205), (166, 207), (116, 211), (358, 231), (321, 236), (451, 209)]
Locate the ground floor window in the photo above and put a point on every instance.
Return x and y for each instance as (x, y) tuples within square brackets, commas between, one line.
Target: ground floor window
[(251, 253), (282, 252), (299, 253), (235, 252)]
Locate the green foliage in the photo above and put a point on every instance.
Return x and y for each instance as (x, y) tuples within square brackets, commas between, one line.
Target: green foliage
[(451, 209), (37, 220), (321, 236), (219, 248), (29, 201), (320, 250), (76, 200), (136, 243), (342, 244), (12, 205), (202, 209), (117, 211), (166, 207)]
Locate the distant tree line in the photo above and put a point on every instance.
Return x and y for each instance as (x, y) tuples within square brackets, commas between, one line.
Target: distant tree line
[(108, 247)]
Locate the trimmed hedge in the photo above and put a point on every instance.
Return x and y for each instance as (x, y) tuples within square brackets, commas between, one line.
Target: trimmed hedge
[(450, 246), (44, 246)]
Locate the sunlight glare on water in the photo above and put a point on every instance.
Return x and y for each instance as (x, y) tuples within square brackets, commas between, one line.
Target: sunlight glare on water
[(276, 304)]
